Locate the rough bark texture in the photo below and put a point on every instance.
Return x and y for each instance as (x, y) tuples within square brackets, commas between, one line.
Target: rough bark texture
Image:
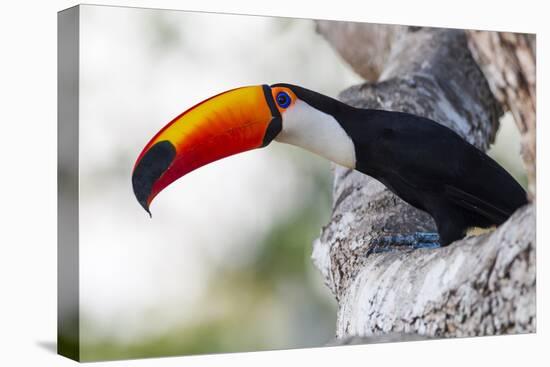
[(508, 61), (477, 286)]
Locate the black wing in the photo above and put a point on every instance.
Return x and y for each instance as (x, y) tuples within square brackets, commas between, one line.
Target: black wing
[(431, 157)]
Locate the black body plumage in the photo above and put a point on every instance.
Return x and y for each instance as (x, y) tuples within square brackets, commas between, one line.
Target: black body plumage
[(427, 165)]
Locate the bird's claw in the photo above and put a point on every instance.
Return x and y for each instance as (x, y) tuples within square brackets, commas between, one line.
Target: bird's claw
[(417, 240)]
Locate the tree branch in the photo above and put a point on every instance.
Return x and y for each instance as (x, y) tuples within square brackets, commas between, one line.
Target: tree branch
[(482, 285), (508, 62)]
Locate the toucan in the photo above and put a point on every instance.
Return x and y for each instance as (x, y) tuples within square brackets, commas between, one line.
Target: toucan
[(423, 162)]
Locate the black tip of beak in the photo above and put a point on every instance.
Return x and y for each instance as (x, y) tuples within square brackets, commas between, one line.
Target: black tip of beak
[(148, 170)]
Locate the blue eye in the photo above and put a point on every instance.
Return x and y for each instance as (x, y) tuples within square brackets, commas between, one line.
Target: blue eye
[(283, 99)]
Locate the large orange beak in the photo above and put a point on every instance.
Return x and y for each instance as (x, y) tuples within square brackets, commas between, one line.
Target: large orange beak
[(229, 123)]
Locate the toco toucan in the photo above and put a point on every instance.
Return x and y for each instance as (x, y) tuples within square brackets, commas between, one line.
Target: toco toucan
[(424, 163)]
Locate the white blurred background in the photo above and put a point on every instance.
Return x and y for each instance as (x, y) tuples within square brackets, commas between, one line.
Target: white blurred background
[(223, 265), (190, 271)]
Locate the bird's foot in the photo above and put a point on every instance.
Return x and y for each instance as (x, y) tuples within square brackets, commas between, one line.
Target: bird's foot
[(412, 241)]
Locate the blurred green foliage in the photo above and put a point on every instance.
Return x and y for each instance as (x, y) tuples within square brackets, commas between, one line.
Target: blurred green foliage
[(272, 301)]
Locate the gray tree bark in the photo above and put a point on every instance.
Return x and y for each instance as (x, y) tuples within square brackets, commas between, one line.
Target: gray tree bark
[(508, 62), (480, 285)]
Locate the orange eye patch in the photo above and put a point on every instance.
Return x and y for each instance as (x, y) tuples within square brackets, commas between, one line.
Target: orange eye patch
[(283, 97)]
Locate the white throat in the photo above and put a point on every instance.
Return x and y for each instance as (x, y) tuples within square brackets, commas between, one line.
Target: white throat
[(318, 132)]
